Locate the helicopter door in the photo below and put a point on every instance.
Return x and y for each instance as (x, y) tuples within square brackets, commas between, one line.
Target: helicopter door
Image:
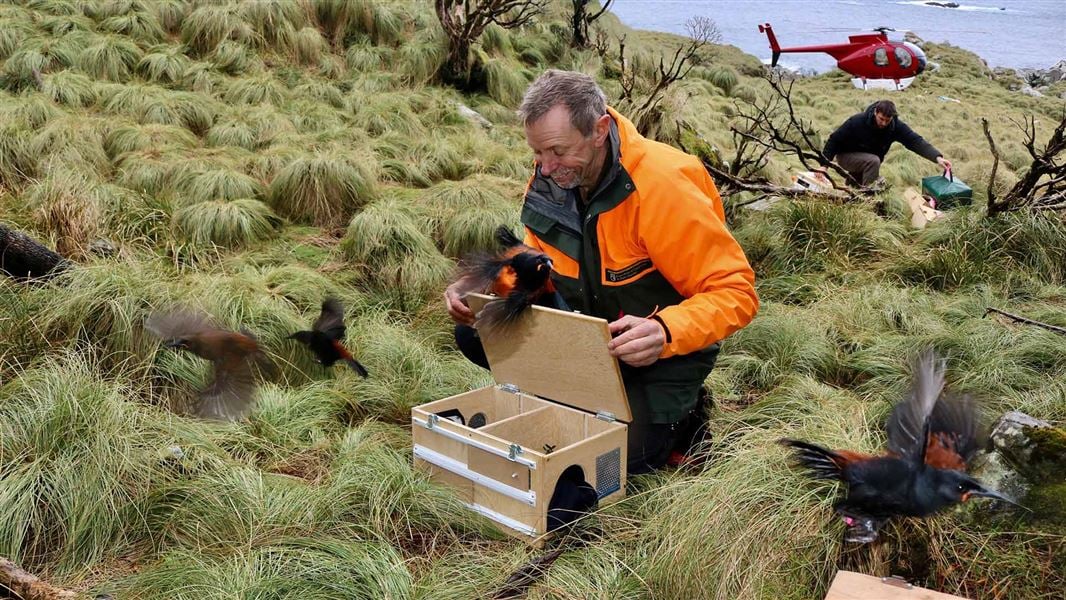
[(881, 57), (902, 57)]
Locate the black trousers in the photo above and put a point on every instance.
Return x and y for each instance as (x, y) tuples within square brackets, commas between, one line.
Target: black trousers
[(650, 444)]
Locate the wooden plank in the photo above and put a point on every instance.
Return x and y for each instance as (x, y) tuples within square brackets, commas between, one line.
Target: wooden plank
[(848, 585), (921, 212), (557, 355), (499, 468)]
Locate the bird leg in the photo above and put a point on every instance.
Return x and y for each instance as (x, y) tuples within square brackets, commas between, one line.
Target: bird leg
[(861, 529)]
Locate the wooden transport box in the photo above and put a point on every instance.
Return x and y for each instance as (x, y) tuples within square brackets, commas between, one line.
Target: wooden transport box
[(848, 585), (558, 404)]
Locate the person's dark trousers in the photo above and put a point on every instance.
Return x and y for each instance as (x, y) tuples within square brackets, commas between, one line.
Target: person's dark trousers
[(650, 444), (862, 166)]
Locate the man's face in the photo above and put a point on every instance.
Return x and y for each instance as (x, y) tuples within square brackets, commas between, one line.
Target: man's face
[(882, 120), (563, 153)]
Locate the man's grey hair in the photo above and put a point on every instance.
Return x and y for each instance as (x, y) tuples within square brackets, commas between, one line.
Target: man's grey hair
[(578, 92)]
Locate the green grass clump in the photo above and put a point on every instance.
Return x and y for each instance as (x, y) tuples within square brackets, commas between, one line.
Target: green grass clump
[(151, 137), (164, 64), (140, 25), (152, 104), (78, 457), (61, 208), (225, 223), (110, 57), (256, 90), (322, 189), (196, 185), (71, 89), (42, 55), (208, 26), (969, 249)]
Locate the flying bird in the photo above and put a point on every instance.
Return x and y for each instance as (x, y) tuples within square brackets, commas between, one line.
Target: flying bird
[(234, 357), (326, 338), (932, 436), (518, 274)]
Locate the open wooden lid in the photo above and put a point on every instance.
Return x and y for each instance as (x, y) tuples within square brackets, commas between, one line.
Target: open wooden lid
[(557, 355)]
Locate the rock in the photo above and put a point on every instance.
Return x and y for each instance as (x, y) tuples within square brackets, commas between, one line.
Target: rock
[(472, 115), (102, 248), (1033, 447), (1029, 91), (994, 471)]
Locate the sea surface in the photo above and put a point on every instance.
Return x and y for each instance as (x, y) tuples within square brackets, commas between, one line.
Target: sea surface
[(1026, 34)]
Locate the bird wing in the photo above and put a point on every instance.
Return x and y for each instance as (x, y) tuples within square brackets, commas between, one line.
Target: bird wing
[(230, 394), (908, 424), (331, 320), (177, 324), (954, 432)]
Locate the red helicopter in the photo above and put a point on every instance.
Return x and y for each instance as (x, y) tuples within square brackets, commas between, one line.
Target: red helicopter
[(873, 60)]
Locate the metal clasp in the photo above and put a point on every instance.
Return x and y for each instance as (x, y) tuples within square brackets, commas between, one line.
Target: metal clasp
[(432, 420), (513, 451)]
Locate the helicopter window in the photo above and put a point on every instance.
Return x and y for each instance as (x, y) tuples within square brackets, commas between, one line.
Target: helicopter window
[(902, 57), (881, 57)]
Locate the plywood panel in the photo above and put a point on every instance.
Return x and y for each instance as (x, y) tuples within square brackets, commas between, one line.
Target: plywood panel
[(558, 355), (848, 585), (499, 468)]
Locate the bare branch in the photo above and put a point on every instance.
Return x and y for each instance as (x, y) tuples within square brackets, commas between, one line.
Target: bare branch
[(1027, 321)]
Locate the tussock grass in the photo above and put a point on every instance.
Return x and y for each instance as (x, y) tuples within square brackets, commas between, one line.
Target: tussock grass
[(251, 129), (233, 58), (300, 568), (70, 88), (171, 14), (152, 104), (225, 223), (506, 81), (969, 249), (257, 89), (62, 209), (322, 91), (322, 189), (308, 45), (394, 253), (422, 57), (465, 214), (36, 54), (813, 236), (196, 184), (140, 25), (135, 138), (385, 113), (71, 142), (78, 459), (274, 21), (340, 19), (12, 33), (164, 64), (208, 26), (110, 57)]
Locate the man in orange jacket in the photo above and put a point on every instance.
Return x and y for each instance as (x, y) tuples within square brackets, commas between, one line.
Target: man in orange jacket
[(636, 233)]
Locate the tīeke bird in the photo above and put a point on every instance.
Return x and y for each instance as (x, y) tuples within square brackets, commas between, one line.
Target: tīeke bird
[(234, 357), (518, 274), (932, 436), (326, 338)]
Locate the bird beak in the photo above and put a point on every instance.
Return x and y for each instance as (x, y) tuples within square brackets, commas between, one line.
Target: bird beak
[(983, 493), (172, 344)]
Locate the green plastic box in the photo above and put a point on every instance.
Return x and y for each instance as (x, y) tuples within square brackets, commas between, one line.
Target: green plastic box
[(947, 191)]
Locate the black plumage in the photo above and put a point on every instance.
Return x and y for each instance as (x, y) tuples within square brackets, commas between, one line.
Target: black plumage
[(932, 436), (326, 338)]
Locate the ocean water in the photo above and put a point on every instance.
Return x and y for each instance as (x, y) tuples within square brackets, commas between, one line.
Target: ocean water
[(1027, 34)]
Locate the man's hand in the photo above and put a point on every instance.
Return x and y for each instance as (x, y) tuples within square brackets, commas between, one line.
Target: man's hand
[(943, 162), (639, 342), (453, 299)]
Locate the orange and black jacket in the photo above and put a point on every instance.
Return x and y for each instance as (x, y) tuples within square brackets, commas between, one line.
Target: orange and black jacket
[(651, 241)]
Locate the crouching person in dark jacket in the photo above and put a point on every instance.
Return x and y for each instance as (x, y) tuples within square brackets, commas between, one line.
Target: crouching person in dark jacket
[(860, 144)]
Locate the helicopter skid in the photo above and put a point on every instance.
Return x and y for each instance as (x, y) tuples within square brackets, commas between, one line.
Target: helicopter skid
[(881, 84)]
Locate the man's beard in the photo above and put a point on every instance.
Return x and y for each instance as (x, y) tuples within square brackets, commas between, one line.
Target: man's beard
[(573, 183)]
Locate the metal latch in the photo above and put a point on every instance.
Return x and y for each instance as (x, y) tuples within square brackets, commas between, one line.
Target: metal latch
[(605, 416), (513, 451), (897, 581), (509, 387), (432, 420)]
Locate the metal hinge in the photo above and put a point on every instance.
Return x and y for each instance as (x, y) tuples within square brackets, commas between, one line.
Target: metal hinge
[(510, 387), (513, 451), (605, 416)]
